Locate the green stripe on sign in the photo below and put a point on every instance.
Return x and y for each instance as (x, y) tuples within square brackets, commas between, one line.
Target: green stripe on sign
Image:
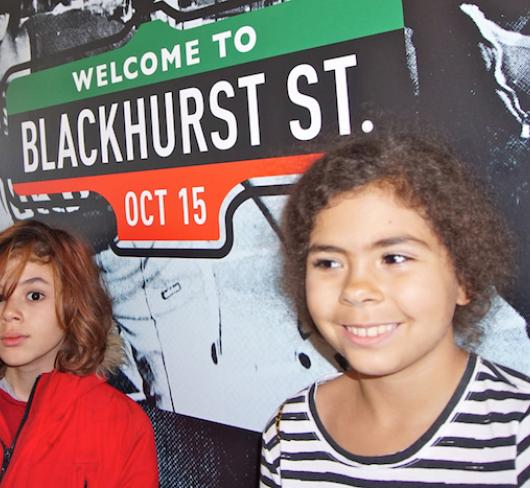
[(158, 52)]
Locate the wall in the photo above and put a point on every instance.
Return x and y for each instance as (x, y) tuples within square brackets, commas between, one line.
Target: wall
[(169, 136)]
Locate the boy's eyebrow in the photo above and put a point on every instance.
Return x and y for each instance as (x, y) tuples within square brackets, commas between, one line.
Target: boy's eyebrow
[(325, 248), (26, 282), (34, 279)]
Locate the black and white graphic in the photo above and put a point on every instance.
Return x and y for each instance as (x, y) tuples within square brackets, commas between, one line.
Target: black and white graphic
[(213, 344)]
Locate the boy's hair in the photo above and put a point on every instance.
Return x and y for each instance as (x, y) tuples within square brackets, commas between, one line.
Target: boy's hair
[(427, 177), (84, 309)]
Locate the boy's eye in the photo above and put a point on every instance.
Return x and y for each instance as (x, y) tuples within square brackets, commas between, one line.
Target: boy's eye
[(34, 296), (395, 259)]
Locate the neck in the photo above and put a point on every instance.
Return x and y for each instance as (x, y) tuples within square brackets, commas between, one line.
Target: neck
[(21, 382), (430, 383)]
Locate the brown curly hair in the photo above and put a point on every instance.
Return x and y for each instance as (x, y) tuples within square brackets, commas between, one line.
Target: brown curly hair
[(427, 177), (84, 309)]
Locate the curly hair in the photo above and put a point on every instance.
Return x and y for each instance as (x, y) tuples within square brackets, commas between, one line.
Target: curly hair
[(426, 176), (83, 307)]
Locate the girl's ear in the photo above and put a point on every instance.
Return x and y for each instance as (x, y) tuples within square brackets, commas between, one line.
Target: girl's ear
[(462, 297)]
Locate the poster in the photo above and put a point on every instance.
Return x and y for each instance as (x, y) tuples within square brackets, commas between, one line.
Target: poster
[(168, 133)]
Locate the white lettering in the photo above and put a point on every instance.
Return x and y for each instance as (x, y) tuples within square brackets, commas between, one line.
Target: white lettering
[(223, 114), (83, 79), (161, 194), (130, 75), (29, 146), (250, 34), (171, 57), (250, 82), (114, 77), (163, 151), (339, 66), (221, 38), (46, 165), (131, 208), (192, 52), (191, 119), (132, 129), (315, 116), (88, 115), (149, 63), (66, 143), (146, 220), (101, 75), (107, 134)]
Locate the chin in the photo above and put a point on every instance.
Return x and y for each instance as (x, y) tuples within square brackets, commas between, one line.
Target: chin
[(373, 367)]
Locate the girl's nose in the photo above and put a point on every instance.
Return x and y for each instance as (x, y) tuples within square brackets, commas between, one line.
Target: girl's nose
[(361, 287)]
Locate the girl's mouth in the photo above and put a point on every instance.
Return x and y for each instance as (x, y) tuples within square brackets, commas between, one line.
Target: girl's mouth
[(370, 334)]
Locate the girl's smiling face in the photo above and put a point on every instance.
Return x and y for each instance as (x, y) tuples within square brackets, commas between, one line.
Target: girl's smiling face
[(380, 285), (30, 334)]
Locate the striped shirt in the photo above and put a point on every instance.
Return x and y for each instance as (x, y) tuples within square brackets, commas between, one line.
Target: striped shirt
[(481, 438)]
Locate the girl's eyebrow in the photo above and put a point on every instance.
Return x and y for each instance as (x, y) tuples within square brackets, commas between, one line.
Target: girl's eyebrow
[(381, 243), (402, 239)]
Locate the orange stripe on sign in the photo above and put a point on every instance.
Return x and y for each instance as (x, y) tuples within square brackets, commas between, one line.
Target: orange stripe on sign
[(171, 204)]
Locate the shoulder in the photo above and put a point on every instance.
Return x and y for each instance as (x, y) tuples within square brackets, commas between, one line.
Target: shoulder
[(501, 378), (295, 403), (297, 409), (117, 403), (500, 392), (92, 395), (293, 407)]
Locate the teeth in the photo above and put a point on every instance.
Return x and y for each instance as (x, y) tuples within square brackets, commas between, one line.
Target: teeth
[(374, 331)]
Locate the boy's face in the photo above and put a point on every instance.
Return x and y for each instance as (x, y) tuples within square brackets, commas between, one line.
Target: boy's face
[(379, 284), (30, 334)]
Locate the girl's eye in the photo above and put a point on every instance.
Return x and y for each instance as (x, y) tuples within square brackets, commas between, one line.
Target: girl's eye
[(35, 296), (325, 264), (395, 259)]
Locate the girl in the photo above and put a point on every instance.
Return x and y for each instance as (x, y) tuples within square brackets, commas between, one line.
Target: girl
[(394, 254), (61, 424)]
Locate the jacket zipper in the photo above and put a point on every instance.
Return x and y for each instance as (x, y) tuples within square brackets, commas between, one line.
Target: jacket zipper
[(8, 451)]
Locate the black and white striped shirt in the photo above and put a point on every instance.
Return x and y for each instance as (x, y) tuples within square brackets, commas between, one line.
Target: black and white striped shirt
[(482, 438)]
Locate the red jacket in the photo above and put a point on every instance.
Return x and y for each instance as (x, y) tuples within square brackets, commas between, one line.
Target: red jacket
[(80, 432)]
